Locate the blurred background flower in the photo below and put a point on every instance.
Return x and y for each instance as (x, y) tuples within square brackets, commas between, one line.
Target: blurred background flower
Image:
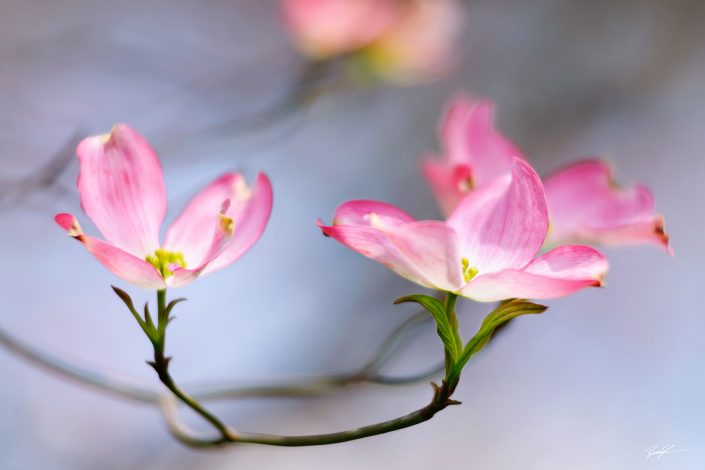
[(591, 384), (402, 41)]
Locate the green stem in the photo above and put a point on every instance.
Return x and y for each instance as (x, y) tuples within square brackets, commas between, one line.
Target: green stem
[(161, 366), (162, 322), (441, 400), (450, 302), (453, 319)]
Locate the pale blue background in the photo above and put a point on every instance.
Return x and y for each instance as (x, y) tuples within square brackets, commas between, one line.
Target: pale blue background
[(604, 375)]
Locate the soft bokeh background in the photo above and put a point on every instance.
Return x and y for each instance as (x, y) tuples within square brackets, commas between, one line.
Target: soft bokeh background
[(604, 375)]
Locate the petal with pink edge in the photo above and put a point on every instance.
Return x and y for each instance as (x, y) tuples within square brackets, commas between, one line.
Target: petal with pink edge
[(359, 212), (192, 232), (503, 224), (584, 204), (250, 215), (425, 252), (647, 231), (560, 272), (122, 189), (249, 208), (470, 138), (124, 265)]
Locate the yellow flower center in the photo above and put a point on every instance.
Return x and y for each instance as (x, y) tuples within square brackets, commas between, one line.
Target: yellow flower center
[(468, 271), (163, 259)]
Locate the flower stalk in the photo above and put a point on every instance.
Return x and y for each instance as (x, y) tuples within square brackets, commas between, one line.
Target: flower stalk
[(456, 353)]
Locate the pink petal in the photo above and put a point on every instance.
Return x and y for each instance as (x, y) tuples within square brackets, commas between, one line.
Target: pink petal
[(325, 28), (558, 273), (358, 213), (425, 252), (222, 237), (503, 224), (584, 204), (124, 265), (250, 217), (122, 189), (647, 231), (193, 230), (449, 182), (469, 137)]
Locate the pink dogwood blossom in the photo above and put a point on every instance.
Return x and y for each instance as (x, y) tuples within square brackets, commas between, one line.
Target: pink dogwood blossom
[(397, 40), (326, 28), (584, 204), (486, 250), (122, 191), (421, 45)]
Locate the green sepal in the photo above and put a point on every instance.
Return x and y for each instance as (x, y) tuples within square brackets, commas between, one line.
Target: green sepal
[(438, 311), (147, 326), (505, 312), (171, 305), (148, 318)]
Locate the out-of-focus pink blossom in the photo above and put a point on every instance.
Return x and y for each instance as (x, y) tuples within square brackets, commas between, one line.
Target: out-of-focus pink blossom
[(397, 40), (474, 153), (584, 204), (486, 250), (326, 28), (421, 46), (122, 191)]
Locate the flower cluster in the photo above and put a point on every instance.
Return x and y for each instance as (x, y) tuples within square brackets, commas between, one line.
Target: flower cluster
[(584, 202), (500, 215)]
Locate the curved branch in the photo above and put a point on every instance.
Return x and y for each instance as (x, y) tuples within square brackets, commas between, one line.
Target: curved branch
[(115, 386), (313, 386), (169, 407)]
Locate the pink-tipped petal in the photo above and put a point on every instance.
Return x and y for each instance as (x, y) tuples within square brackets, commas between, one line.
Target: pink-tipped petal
[(475, 152), (250, 218), (503, 224), (489, 153), (449, 182), (558, 273), (470, 137), (325, 28), (425, 252), (585, 205), (359, 212), (192, 232), (122, 189), (124, 265)]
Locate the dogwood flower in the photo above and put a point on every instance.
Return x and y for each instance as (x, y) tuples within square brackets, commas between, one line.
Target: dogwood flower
[(327, 28), (421, 45), (122, 191), (486, 250), (584, 204), (397, 40)]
